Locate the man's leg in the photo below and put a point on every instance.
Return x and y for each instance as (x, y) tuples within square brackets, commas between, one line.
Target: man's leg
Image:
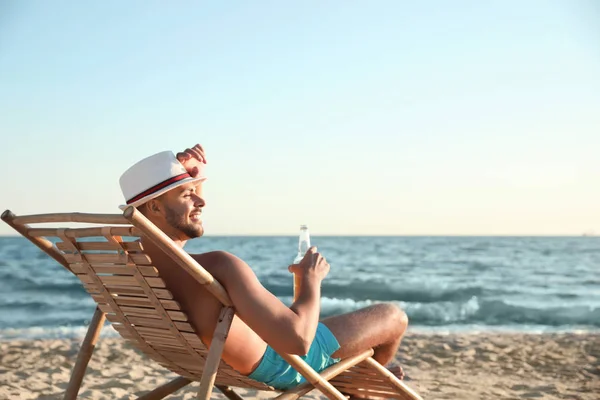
[(379, 327)]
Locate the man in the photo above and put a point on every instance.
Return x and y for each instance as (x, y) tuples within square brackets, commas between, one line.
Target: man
[(168, 191)]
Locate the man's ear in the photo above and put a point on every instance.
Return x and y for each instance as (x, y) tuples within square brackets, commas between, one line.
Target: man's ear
[(154, 206)]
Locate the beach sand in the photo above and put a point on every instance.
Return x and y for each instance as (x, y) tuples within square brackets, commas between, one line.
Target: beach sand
[(455, 366)]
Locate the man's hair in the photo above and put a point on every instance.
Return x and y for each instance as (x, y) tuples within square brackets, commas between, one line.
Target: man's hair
[(143, 208)]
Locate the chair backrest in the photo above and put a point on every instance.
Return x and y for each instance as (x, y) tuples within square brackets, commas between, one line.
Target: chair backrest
[(114, 269)]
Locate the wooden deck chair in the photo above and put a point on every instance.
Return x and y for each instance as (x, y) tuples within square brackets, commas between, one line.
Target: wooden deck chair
[(119, 276)]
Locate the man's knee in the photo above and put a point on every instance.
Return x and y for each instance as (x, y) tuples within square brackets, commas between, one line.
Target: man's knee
[(395, 315)]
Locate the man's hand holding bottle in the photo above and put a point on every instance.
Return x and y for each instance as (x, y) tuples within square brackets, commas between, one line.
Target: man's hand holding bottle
[(312, 267)]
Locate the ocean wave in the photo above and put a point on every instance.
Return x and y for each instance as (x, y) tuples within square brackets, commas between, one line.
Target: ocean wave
[(379, 291), (474, 311), (485, 315), (498, 312), (41, 284), (360, 290), (55, 332), (491, 282)]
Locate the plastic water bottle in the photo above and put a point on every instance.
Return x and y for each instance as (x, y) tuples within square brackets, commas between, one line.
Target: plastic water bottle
[(303, 246)]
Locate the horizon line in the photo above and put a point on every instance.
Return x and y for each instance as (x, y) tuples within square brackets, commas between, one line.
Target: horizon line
[(378, 235)]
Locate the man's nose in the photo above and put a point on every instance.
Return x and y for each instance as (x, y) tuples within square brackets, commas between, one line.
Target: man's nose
[(199, 200)]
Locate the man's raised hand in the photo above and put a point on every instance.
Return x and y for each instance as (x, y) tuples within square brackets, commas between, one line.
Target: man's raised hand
[(192, 159)]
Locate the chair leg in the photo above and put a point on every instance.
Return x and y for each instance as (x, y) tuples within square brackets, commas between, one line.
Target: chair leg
[(163, 391), (229, 393), (85, 353), (214, 353)]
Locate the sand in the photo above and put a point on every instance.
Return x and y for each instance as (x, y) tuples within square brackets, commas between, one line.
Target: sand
[(456, 366)]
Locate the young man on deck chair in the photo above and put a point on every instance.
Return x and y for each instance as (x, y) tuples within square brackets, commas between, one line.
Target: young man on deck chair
[(167, 189)]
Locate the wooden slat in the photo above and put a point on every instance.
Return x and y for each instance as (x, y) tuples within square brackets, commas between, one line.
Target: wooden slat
[(198, 367), (159, 323), (148, 270), (361, 375), (151, 323), (184, 327), (170, 347), (191, 375), (177, 316), (127, 291), (114, 319), (198, 345), (115, 269), (103, 269), (372, 393), (122, 280), (151, 313), (77, 258), (362, 370), (139, 311), (85, 232), (91, 288), (98, 246), (145, 302), (156, 282), (193, 338), (117, 280), (190, 366), (72, 217), (123, 331), (86, 279), (400, 386), (108, 258), (106, 309), (179, 357), (162, 293), (382, 387), (241, 383), (161, 340), (345, 377), (155, 332), (141, 302), (376, 384)]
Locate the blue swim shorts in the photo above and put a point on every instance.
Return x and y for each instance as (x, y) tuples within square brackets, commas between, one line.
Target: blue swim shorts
[(275, 371)]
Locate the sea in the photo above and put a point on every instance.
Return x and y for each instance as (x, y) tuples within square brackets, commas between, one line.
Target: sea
[(444, 284)]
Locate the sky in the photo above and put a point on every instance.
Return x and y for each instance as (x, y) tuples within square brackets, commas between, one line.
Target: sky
[(354, 117)]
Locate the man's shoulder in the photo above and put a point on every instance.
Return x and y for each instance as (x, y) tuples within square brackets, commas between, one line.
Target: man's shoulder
[(222, 264), (216, 257)]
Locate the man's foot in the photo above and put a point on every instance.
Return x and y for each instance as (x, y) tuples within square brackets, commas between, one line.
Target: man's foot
[(396, 370)]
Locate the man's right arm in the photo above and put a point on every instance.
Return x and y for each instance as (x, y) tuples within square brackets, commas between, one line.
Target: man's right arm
[(290, 330)]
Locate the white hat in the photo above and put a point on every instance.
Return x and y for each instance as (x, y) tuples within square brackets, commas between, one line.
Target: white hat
[(153, 176)]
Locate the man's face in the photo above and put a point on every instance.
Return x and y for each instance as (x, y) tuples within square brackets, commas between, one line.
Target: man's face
[(182, 211)]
